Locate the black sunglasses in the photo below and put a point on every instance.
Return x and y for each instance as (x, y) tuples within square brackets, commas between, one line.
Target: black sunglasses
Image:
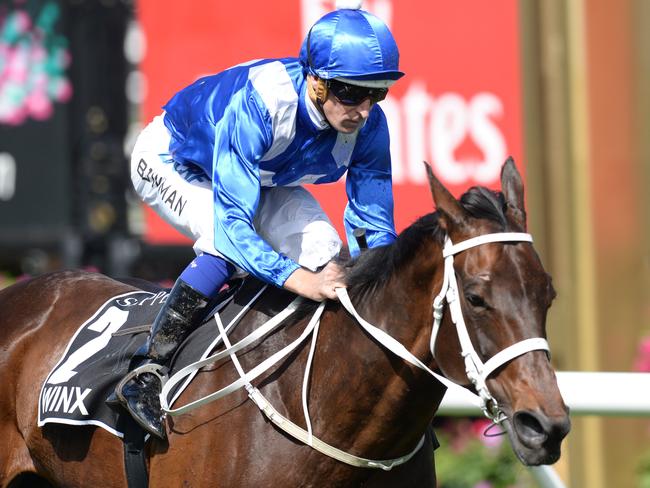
[(353, 94)]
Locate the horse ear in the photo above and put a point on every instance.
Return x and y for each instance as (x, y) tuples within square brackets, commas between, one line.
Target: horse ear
[(513, 191), (451, 212)]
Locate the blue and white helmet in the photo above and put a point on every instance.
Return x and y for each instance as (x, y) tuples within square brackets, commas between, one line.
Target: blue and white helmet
[(352, 46)]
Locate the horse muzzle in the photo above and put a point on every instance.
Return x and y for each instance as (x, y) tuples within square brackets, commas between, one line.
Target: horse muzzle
[(536, 438)]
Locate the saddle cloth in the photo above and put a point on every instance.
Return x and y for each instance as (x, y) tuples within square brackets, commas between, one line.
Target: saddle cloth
[(97, 357)]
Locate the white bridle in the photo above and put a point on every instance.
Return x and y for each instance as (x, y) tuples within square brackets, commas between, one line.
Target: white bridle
[(477, 371)]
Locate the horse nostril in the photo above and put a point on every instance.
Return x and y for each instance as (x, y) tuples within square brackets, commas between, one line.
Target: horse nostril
[(529, 429)]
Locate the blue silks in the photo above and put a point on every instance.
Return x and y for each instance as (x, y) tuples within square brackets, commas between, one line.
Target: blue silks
[(207, 274), (251, 126)]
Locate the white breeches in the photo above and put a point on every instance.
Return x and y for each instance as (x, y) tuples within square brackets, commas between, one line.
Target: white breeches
[(288, 218)]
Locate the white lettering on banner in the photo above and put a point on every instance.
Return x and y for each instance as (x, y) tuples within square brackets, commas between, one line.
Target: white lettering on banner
[(312, 10), (106, 324), (49, 397), (424, 127), (484, 108), (64, 396), (417, 104), (7, 176)]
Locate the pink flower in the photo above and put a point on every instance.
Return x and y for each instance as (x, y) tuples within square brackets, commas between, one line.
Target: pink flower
[(492, 439), (13, 115), (483, 484), (38, 54), (62, 57), (17, 65), (5, 49), (22, 21), (479, 426), (460, 433), (63, 91), (39, 105), (642, 362)]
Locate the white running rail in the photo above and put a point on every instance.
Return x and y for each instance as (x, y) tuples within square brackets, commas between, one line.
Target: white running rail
[(585, 393)]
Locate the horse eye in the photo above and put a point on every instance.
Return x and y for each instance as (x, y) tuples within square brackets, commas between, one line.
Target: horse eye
[(475, 300)]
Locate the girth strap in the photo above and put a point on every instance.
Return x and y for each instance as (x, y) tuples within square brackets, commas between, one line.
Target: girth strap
[(135, 464)]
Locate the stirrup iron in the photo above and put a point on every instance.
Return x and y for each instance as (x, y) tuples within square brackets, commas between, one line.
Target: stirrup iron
[(152, 368)]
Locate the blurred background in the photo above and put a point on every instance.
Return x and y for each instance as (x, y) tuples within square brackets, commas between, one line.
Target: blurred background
[(561, 85)]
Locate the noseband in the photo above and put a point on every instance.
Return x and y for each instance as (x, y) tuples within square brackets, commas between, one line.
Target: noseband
[(477, 371)]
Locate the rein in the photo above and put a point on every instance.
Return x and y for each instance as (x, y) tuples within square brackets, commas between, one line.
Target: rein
[(477, 371)]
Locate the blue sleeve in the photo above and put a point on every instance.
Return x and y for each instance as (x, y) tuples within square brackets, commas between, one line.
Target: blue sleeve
[(242, 136), (370, 188)]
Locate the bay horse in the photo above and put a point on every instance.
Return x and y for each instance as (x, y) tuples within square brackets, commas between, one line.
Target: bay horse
[(363, 399)]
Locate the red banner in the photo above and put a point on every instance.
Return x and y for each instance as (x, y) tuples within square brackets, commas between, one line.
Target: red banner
[(458, 107)]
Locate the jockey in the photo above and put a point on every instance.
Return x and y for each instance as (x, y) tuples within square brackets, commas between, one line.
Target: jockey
[(224, 163)]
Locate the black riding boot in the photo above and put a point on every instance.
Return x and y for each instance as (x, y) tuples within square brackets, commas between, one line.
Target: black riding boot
[(139, 391)]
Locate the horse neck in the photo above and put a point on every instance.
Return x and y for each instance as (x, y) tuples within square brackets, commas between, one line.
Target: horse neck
[(388, 403)]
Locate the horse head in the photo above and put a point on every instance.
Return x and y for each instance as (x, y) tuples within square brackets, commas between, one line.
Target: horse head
[(504, 294)]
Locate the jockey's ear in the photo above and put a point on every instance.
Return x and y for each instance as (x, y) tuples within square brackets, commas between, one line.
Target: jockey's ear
[(450, 210), (513, 191)]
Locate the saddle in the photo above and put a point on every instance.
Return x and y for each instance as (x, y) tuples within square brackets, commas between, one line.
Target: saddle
[(98, 355)]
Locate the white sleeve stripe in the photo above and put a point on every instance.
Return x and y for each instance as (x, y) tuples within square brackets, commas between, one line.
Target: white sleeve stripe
[(275, 87)]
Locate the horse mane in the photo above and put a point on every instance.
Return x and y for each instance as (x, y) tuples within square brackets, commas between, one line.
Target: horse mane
[(375, 266)]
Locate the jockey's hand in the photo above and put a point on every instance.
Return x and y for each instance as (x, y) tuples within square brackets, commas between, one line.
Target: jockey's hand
[(317, 286)]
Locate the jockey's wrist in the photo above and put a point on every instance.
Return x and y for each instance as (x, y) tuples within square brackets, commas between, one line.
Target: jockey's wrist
[(302, 282), (316, 286)]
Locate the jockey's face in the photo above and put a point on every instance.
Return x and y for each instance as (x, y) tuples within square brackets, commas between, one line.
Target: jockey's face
[(343, 118)]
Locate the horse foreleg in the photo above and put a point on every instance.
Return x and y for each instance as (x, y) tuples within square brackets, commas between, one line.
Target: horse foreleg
[(14, 456)]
